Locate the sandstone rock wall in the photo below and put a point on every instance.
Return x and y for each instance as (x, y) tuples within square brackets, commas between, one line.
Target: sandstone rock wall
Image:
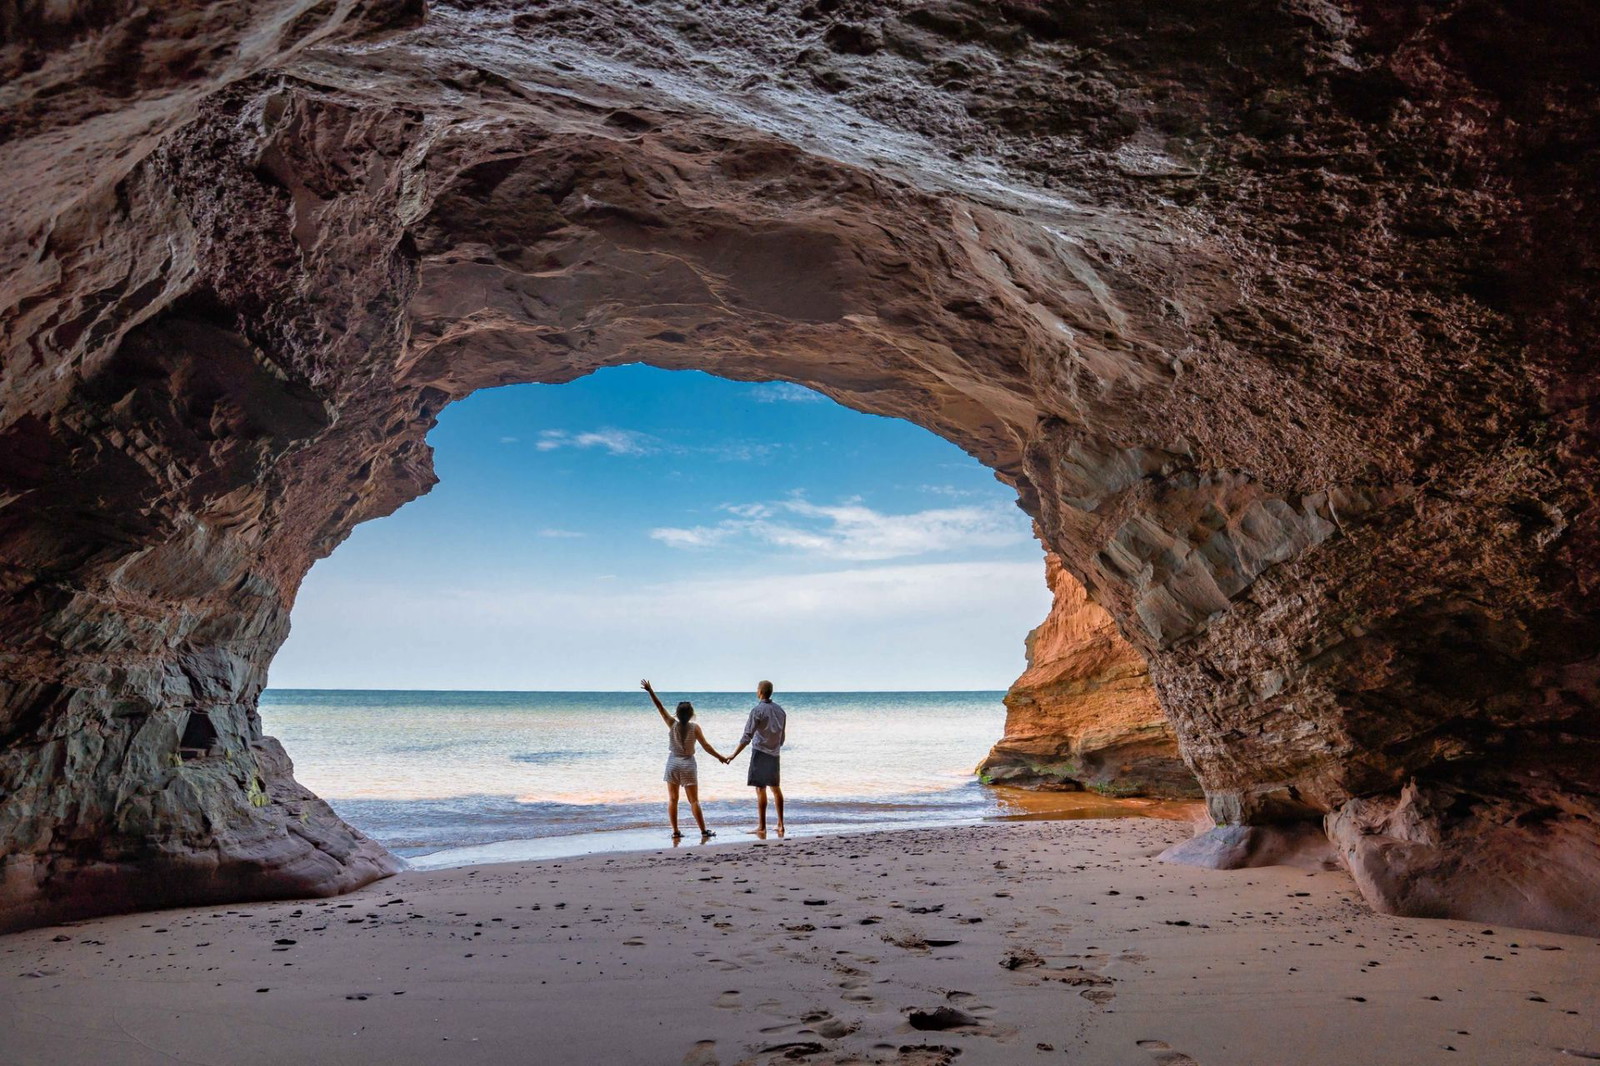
[(1085, 714), (1278, 316)]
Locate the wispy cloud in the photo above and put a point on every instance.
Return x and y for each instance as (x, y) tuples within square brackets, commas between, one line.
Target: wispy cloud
[(615, 441), (784, 392), (950, 490), (852, 531), (509, 440), (699, 537), (561, 534), (861, 592), (632, 443), (743, 451), (866, 591)]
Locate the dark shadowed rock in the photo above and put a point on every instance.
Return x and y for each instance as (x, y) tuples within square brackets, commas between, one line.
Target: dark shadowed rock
[(1237, 847)]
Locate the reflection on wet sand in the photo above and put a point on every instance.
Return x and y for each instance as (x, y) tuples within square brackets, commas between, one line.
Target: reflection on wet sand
[(1029, 805)]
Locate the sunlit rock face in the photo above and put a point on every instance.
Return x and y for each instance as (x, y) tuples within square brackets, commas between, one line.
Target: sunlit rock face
[(1085, 714), (1275, 315)]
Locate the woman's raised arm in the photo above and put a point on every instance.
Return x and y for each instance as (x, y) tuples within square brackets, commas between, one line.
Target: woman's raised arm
[(665, 717)]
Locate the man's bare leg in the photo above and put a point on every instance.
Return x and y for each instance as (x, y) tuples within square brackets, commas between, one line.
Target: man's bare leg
[(761, 808), (777, 796)]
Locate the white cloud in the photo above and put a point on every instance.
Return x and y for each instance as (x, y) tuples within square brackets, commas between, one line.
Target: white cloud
[(784, 392), (561, 534), (741, 451), (615, 441), (852, 531), (863, 592), (509, 440), (629, 442), (699, 537)]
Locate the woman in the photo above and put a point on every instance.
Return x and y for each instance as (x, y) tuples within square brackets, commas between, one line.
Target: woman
[(682, 736)]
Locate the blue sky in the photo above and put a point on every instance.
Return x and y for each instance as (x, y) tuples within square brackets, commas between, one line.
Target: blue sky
[(702, 532)]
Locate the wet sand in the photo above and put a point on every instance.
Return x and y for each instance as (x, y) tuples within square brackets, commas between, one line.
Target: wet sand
[(1015, 804), (1037, 941)]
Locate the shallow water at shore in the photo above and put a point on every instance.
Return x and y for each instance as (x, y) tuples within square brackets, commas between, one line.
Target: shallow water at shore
[(457, 776), (1010, 805)]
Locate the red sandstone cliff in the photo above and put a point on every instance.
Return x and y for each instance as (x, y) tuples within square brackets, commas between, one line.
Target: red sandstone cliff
[(1085, 713)]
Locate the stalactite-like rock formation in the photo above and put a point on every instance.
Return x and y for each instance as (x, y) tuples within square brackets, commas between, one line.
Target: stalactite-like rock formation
[(1276, 314), (1085, 714)]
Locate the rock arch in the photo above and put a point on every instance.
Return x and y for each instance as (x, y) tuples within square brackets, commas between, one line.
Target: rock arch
[(1241, 302)]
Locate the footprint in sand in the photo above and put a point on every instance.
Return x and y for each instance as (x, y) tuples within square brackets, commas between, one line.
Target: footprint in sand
[(925, 1055), (729, 1000), (793, 1051), (1078, 977), (826, 1025), (704, 1053), (851, 987), (1161, 1054), (814, 1023)]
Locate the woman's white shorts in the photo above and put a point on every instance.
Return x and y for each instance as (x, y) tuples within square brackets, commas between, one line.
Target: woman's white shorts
[(681, 771)]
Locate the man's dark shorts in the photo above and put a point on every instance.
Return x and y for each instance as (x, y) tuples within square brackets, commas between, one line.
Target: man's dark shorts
[(763, 769)]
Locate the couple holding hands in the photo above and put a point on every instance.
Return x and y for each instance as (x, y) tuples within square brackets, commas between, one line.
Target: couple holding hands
[(764, 727)]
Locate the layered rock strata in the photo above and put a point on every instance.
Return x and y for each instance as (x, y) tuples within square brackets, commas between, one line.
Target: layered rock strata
[(1276, 314), (1085, 714)]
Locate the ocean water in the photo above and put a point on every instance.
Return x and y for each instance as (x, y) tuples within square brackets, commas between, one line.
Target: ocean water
[(447, 778)]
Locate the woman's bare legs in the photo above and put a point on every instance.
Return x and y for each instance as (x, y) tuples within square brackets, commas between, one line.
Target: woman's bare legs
[(693, 792), (672, 806)]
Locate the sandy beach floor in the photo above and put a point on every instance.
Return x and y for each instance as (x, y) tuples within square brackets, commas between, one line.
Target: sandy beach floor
[(1006, 943)]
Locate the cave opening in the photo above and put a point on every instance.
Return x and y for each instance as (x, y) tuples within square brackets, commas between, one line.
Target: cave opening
[(456, 676)]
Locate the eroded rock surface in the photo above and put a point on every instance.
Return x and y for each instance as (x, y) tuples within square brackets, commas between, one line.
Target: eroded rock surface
[(1085, 714), (1276, 314)]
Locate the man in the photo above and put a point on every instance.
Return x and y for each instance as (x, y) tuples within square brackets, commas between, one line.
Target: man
[(765, 727)]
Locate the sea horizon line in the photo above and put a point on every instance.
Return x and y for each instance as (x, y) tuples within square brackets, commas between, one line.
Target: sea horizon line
[(614, 691)]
